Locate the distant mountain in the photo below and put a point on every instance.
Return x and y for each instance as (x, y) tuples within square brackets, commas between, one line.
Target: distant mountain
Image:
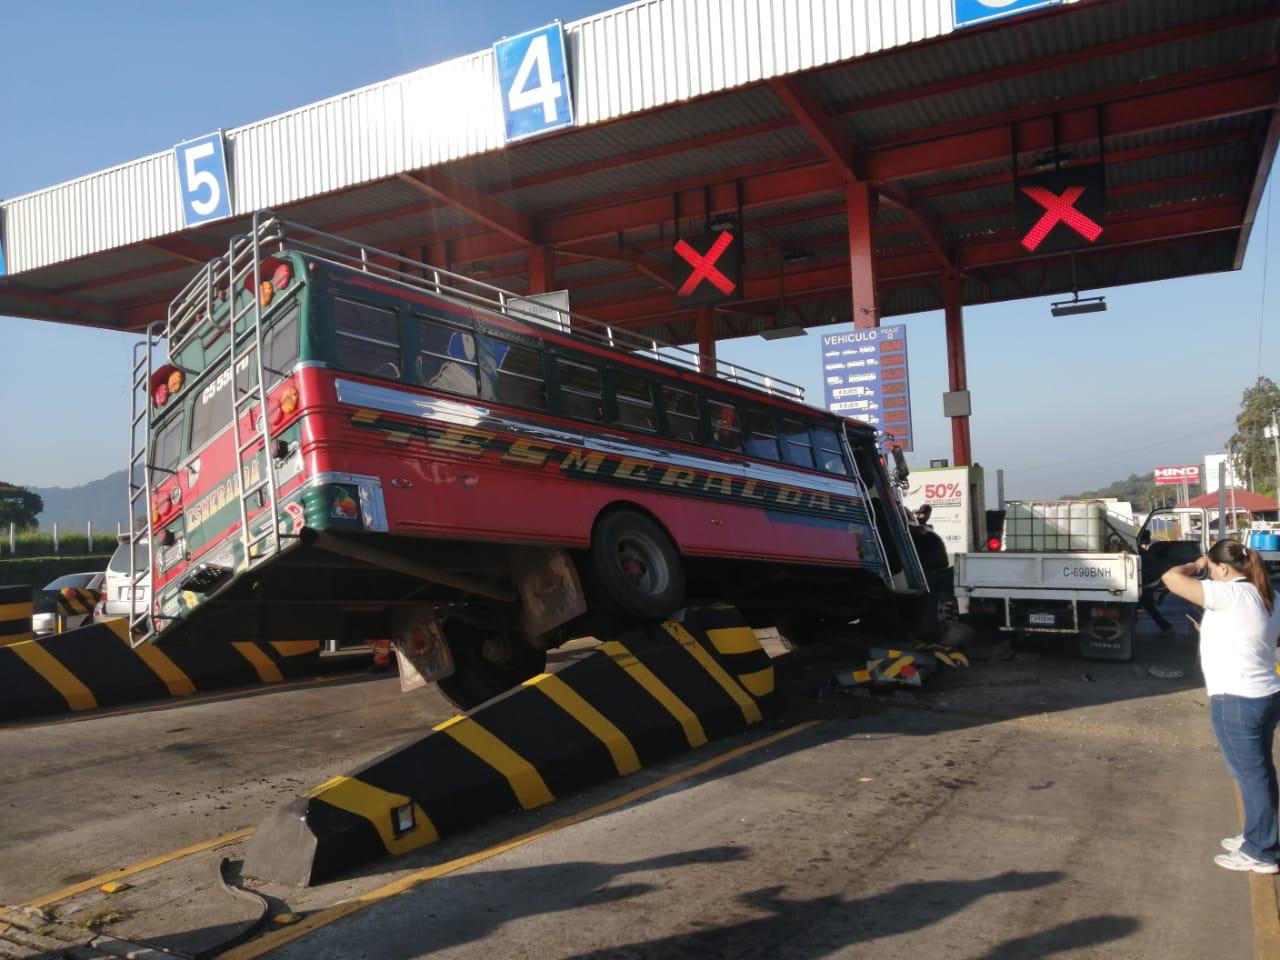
[(102, 501), (1141, 491)]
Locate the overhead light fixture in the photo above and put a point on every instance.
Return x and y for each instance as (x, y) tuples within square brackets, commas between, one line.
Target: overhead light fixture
[(792, 257), (781, 333), (1078, 305)]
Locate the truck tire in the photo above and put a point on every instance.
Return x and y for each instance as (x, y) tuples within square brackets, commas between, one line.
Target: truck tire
[(635, 567)]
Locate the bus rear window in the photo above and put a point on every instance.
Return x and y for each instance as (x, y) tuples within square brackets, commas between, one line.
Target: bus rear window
[(367, 339), (166, 450), (211, 411)]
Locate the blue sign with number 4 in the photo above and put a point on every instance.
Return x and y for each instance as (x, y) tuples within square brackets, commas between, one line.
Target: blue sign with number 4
[(533, 83), (979, 11), (202, 179)]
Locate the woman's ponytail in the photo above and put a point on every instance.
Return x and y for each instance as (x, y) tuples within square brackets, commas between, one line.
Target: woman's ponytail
[(1248, 563)]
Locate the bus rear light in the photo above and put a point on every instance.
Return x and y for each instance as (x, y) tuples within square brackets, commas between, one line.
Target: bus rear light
[(175, 381), (282, 277), (288, 400), (265, 292), (993, 544), (160, 396)]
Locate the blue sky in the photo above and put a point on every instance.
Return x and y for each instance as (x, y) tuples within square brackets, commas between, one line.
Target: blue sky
[(1061, 405)]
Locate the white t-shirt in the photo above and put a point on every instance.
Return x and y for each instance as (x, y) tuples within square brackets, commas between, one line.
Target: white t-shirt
[(1237, 648)]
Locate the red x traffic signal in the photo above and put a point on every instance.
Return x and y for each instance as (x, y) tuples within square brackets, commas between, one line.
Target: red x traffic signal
[(1060, 210), (708, 269)]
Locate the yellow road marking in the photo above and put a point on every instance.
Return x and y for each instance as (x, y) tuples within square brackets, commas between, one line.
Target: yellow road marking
[(642, 675), (138, 867), (378, 807), (526, 782), (322, 918), (63, 680), (572, 703), (760, 683), (268, 672), (730, 640), (750, 710)]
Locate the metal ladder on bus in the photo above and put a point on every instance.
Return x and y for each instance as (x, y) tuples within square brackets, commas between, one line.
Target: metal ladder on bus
[(244, 261), (141, 626)]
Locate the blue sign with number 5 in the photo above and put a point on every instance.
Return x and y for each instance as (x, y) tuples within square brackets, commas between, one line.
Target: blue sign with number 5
[(979, 11), (202, 179), (533, 82)]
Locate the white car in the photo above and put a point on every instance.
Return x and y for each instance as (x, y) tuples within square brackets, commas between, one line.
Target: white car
[(115, 589), (44, 611)]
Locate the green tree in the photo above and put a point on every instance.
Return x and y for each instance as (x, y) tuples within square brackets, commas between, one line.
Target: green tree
[(1253, 454), (18, 505)]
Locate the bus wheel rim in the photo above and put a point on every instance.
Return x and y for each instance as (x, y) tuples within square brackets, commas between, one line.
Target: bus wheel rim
[(643, 564)]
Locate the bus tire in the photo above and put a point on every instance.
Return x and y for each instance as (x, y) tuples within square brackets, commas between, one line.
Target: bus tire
[(477, 679), (636, 567)]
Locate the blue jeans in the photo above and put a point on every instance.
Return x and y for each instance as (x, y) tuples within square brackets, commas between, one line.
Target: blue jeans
[(1246, 728)]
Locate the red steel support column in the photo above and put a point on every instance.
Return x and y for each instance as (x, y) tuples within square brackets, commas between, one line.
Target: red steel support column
[(542, 269), (706, 339), (860, 201), (958, 376)]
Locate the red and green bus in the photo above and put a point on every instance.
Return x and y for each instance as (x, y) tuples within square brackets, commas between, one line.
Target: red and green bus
[(334, 442)]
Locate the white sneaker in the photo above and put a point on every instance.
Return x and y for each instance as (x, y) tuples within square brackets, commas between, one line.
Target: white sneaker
[(1239, 860), (1232, 844)]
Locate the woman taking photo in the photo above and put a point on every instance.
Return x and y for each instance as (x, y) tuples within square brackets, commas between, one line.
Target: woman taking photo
[(1237, 655)]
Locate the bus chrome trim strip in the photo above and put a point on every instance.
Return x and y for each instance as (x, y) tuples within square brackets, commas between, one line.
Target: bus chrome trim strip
[(390, 400)]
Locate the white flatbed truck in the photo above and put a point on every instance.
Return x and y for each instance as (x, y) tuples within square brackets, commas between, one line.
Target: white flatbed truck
[(1092, 593)]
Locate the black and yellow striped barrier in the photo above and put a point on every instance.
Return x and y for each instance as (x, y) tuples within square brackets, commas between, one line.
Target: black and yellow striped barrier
[(75, 602), (648, 694), (15, 615), (95, 666), (910, 667)]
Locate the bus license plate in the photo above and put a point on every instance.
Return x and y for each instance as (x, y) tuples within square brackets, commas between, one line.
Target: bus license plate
[(1041, 619)]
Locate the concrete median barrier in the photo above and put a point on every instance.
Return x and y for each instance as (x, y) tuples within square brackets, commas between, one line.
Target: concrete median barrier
[(15, 615), (645, 695), (95, 666)]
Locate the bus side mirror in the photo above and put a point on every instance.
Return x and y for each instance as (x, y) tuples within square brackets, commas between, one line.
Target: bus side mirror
[(900, 469)]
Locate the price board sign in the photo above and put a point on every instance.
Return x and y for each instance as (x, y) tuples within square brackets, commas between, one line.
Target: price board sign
[(864, 375), (533, 82), (203, 184)]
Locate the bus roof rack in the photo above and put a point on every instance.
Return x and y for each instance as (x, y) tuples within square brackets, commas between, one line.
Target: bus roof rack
[(199, 299)]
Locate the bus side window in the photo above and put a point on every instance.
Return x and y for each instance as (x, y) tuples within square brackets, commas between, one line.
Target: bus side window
[(762, 435), (446, 357), (830, 454), (367, 339), (797, 445), (581, 390), (726, 433), (683, 422), (635, 402), (518, 376)]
